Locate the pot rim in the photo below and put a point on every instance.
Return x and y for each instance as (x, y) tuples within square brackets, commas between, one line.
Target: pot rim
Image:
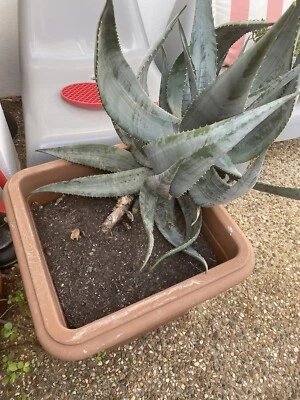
[(124, 324)]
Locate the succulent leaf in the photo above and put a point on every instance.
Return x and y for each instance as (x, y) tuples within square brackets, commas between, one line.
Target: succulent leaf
[(192, 214), (160, 184), (279, 56), (104, 185), (203, 47), (228, 94), (135, 146), (208, 189), (176, 84), (268, 130), (190, 91), (167, 224), (144, 68), (228, 34), (163, 98), (245, 183), (121, 94), (172, 231), (147, 203), (271, 88), (211, 190), (104, 157), (191, 170), (226, 165), (208, 143), (171, 252), (291, 193)]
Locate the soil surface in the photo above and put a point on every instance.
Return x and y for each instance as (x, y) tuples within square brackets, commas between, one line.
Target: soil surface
[(95, 274)]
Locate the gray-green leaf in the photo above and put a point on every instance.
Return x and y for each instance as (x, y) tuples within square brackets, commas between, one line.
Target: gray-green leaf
[(166, 221), (290, 192), (228, 94), (121, 94), (198, 163), (219, 138), (104, 185), (147, 203), (104, 157), (167, 224), (228, 34), (203, 47), (176, 84), (144, 68), (279, 56)]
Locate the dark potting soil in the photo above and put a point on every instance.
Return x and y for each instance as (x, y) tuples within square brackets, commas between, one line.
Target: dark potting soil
[(96, 275)]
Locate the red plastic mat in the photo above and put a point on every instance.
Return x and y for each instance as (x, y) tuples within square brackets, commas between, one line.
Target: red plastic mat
[(83, 94), (3, 180), (2, 183)]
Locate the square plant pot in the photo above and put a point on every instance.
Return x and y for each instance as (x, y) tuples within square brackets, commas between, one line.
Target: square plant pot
[(232, 249)]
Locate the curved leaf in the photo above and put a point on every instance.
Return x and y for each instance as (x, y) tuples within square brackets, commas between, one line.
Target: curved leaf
[(208, 189), (228, 94), (192, 214), (226, 165), (198, 163), (135, 146), (245, 183), (278, 59), (211, 190), (122, 97), (228, 34), (104, 185), (267, 131), (203, 47), (166, 222), (271, 88), (179, 248), (163, 98), (144, 68), (160, 184), (176, 82), (104, 157), (190, 91), (209, 143), (147, 203)]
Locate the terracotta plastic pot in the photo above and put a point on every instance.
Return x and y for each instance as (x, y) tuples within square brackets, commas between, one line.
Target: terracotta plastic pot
[(233, 251)]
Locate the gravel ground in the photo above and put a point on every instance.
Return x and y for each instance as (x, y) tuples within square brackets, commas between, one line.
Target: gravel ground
[(243, 344)]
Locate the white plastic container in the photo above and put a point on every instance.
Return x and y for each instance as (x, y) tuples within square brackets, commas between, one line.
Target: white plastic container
[(9, 163), (292, 130), (57, 49)]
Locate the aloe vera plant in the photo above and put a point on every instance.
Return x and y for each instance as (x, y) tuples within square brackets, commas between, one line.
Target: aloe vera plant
[(184, 151)]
